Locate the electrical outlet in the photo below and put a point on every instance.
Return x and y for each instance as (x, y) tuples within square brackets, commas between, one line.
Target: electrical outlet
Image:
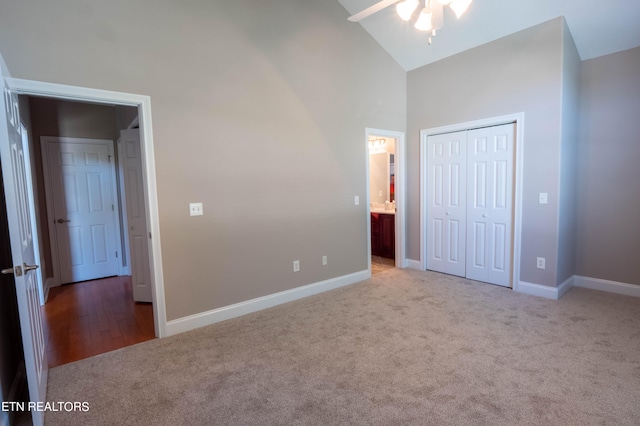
[(196, 209), (356, 200), (296, 266), (324, 261), (541, 263)]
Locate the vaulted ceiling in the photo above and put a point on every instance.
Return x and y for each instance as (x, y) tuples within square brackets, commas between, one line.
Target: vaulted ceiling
[(598, 27)]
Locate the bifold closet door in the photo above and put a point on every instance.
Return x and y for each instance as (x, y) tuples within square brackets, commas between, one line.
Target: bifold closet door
[(446, 203), (490, 156), (470, 203)]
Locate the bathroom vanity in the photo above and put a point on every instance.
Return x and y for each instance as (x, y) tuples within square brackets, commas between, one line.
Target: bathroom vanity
[(383, 233)]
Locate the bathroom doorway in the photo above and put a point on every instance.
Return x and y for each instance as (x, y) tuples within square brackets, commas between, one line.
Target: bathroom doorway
[(385, 200)]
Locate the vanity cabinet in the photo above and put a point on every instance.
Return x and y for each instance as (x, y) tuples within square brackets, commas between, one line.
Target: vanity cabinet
[(383, 235)]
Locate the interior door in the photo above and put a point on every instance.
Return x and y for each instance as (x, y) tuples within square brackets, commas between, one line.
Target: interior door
[(131, 163), (446, 203), (82, 196), (490, 156), (21, 236)]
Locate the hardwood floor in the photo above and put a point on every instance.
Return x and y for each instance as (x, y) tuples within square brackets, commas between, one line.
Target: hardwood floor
[(92, 317)]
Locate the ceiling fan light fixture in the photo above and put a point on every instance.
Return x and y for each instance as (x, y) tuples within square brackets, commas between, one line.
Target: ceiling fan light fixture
[(437, 14), (406, 8), (424, 20), (460, 6)]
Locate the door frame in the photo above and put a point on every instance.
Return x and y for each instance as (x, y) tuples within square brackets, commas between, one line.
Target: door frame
[(143, 103), (518, 119), (50, 199), (399, 190)]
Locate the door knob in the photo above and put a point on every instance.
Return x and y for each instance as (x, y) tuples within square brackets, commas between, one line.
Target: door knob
[(27, 268), (484, 215), (447, 213), (17, 271), (63, 221)]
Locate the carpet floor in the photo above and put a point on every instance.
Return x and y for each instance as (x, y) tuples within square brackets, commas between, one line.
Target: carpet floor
[(405, 347)]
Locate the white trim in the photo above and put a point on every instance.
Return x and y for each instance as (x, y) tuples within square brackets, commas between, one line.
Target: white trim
[(74, 93), (49, 282), (566, 286), (134, 123), (518, 118), (538, 290), (400, 190), (191, 322), (414, 264), (606, 285), (122, 196), (547, 292)]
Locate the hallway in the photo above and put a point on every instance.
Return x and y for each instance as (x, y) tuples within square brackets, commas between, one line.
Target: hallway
[(93, 317)]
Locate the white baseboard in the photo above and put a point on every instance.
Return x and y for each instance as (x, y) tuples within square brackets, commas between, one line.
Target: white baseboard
[(566, 286), (537, 290), (48, 284), (547, 292), (414, 264), (607, 285), (191, 322)]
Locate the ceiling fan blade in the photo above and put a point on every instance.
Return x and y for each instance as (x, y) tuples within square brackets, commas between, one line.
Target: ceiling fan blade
[(371, 10)]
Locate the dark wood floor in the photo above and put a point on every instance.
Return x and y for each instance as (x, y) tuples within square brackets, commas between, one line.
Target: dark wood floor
[(92, 317)]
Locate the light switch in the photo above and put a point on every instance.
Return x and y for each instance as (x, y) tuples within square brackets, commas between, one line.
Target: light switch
[(356, 200), (195, 209), (542, 198)]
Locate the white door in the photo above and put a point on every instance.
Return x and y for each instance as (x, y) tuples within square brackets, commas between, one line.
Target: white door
[(490, 157), (81, 195), (131, 163), (21, 235), (446, 203)]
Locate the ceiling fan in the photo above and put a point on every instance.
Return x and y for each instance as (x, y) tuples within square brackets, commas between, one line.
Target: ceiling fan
[(431, 17)]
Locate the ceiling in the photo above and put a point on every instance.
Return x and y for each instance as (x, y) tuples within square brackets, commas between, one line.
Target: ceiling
[(598, 27)]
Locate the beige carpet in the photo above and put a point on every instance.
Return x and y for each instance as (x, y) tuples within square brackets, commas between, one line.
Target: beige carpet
[(405, 347)]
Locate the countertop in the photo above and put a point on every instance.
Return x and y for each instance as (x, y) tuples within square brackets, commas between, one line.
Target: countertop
[(383, 211)]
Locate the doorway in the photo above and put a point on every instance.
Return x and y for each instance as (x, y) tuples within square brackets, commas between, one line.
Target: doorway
[(149, 197), (82, 213), (385, 200)]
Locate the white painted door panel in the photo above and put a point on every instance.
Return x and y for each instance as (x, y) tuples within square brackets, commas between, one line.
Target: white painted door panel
[(21, 234), (446, 211), (131, 161), (490, 156), (82, 185)]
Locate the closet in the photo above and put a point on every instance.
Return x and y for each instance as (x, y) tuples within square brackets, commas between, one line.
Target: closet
[(470, 177)]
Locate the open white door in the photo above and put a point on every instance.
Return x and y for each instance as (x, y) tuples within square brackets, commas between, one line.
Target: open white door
[(131, 172), (21, 235)]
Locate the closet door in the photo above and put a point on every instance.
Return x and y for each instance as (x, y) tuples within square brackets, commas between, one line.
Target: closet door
[(490, 157), (446, 203)]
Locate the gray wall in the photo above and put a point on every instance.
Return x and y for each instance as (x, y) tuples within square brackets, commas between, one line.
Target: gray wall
[(609, 171), (259, 110), (567, 217), (518, 73), (50, 117)]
